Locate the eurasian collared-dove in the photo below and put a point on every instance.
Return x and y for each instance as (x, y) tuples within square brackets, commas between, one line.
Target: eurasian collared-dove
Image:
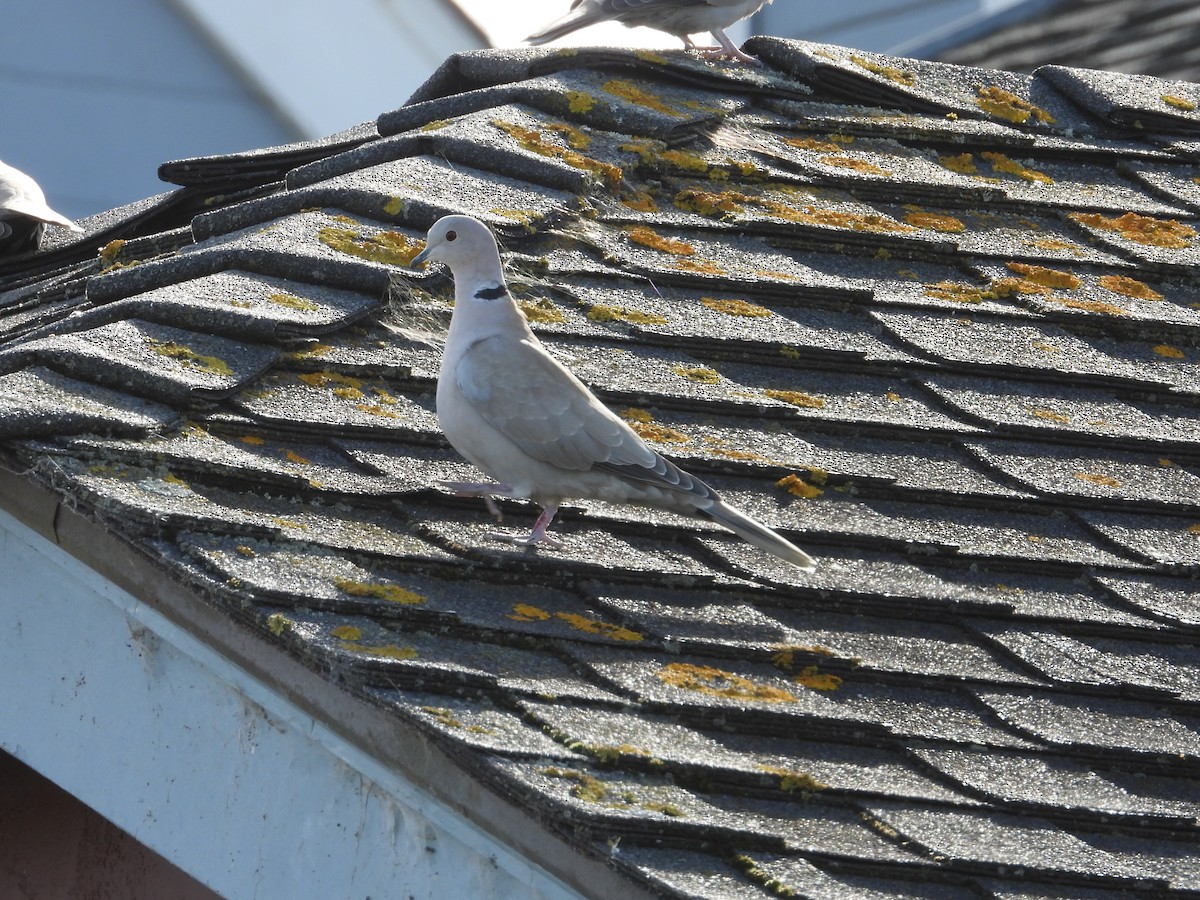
[(515, 412), (24, 212), (678, 17)]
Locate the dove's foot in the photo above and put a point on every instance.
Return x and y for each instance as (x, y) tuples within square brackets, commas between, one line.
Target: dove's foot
[(727, 50), (537, 536), (483, 489)]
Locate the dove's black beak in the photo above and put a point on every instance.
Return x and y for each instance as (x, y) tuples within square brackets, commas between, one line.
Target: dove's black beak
[(421, 258)]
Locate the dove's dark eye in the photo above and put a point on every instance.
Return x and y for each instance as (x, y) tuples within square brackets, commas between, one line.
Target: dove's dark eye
[(451, 235)]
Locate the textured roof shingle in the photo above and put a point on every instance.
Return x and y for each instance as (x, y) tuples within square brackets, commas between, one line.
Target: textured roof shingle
[(939, 325)]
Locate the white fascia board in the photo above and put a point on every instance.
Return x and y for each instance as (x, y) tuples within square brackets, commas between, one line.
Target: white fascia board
[(208, 766), (330, 66)]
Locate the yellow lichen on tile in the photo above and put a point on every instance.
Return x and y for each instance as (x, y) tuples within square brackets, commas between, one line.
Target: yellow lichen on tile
[(630, 92), (814, 144), (698, 374), (891, 73), (1002, 163), (699, 266), (1034, 278), (604, 313), (291, 301), (347, 633), (388, 247), (957, 292), (711, 203), (394, 206), (796, 398), (798, 487), (793, 782), (934, 221), (719, 683), (587, 787), (1129, 287), (527, 612), (682, 159), (278, 623), (962, 163), (537, 142), (1006, 105), (1169, 352), (378, 590), (382, 651), (647, 429), (580, 101), (210, 365), (542, 310), (1181, 103), (595, 626), (648, 237), (858, 165), (1048, 414), (342, 386), (642, 201), (1098, 478), (243, 550), (1169, 233), (735, 307)]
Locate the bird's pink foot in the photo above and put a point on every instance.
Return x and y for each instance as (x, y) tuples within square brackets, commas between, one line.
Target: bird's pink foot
[(483, 489), (537, 536)]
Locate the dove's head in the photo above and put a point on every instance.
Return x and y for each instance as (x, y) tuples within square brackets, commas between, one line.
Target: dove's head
[(465, 244)]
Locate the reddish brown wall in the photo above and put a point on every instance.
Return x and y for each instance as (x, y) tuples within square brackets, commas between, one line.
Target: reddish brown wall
[(52, 847)]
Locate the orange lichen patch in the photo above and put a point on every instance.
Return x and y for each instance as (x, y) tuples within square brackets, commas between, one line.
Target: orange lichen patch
[(698, 374), (816, 145), (525, 612), (698, 265), (252, 439), (1129, 287), (378, 590), (603, 313), (796, 398), (647, 429), (1002, 163), (1092, 306), (815, 680), (798, 487), (595, 626), (387, 247), (1169, 233), (293, 457), (1056, 244), (243, 550), (935, 222), (850, 162), (1179, 102), (1165, 463), (648, 237), (1194, 529), (537, 142), (1005, 105), (719, 683), (891, 73), (962, 163), (1048, 414), (1043, 277), (1098, 478), (627, 90), (957, 292), (1169, 352), (733, 307)]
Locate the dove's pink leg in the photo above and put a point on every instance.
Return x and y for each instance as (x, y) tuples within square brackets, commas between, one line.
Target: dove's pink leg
[(538, 535), (727, 50)]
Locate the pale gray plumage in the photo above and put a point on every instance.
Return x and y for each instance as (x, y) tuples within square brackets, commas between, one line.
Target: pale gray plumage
[(24, 212), (678, 17), (520, 416)]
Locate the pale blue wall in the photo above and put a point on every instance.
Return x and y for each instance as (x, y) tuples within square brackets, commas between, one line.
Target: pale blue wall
[(94, 95)]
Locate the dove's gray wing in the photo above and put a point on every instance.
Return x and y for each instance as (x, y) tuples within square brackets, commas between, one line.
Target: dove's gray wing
[(521, 390)]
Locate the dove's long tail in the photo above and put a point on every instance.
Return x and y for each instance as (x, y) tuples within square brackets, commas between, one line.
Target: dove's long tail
[(758, 534), (580, 16)]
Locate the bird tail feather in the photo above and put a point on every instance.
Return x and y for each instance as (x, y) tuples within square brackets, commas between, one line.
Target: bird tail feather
[(578, 17), (758, 534)]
